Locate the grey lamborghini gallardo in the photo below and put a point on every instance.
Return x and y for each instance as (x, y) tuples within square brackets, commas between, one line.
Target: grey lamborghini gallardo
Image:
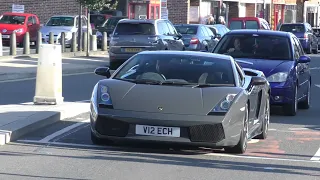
[(189, 98)]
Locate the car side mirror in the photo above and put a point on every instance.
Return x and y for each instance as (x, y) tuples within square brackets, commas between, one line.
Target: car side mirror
[(179, 36), (29, 24), (304, 59), (103, 71), (218, 36), (256, 80)]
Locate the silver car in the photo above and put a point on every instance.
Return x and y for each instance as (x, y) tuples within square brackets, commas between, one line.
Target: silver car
[(63, 23), (132, 36)]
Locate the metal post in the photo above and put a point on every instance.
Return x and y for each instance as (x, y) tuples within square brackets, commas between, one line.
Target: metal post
[(1, 48), (80, 29), (39, 42), (93, 42), (74, 42), (104, 42), (51, 38), (26, 43), (317, 15), (85, 41), (63, 42), (264, 9), (13, 44), (88, 32)]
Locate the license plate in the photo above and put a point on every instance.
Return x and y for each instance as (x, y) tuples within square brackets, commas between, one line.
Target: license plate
[(132, 50), (157, 131), (6, 36)]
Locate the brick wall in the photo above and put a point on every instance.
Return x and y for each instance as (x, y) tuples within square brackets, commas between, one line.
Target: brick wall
[(43, 8), (250, 10), (178, 11), (233, 10)]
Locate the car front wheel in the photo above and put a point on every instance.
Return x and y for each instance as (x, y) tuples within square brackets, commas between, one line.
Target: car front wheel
[(291, 109)]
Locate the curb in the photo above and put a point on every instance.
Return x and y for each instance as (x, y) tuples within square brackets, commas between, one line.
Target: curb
[(15, 130)]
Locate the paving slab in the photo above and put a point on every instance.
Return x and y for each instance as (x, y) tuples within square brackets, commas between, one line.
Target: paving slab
[(18, 120)]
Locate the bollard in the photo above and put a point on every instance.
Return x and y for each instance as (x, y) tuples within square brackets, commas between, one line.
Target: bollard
[(104, 46), (1, 47), (85, 41), (49, 75), (13, 44), (26, 43), (74, 42), (51, 38), (39, 42), (93, 43), (63, 42)]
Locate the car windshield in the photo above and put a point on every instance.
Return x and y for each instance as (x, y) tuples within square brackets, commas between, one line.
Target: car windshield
[(255, 46), (60, 21), (235, 25), (111, 23), (187, 29), (252, 25), (294, 28), (97, 19), (180, 70), (12, 19), (134, 29)]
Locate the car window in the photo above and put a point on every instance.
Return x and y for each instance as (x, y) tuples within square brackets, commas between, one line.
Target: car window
[(111, 23), (301, 51), (293, 28), (30, 20), (187, 69), (187, 29), (252, 25), (255, 46), (60, 21), (97, 19), (213, 30), (204, 32), (34, 19), (134, 29), (172, 30), (235, 25), (209, 32), (12, 19), (240, 74), (296, 50), (163, 28)]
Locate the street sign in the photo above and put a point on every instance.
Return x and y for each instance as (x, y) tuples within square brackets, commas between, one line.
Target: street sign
[(16, 8)]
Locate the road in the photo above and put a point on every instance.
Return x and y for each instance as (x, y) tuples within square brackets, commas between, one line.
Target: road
[(6, 50), (64, 150)]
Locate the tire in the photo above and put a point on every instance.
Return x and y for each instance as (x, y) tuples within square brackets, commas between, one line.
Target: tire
[(315, 51), (98, 141), (266, 121), (305, 104), (242, 145), (291, 109)]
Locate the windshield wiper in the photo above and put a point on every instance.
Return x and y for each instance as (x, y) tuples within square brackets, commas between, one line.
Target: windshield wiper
[(141, 81), (173, 83), (212, 85)]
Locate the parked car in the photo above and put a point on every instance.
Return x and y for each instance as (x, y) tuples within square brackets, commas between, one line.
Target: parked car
[(108, 27), (248, 23), (19, 23), (196, 37), (63, 23), (219, 30), (280, 56), (306, 36), (132, 36), (316, 32), (189, 98)]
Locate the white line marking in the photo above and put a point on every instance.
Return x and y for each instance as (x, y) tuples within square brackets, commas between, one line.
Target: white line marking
[(62, 131), (253, 141), (28, 79), (316, 157), (318, 85), (272, 129), (67, 144), (297, 129)]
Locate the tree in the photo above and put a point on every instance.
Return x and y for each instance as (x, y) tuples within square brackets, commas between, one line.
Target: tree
[(99, 4)]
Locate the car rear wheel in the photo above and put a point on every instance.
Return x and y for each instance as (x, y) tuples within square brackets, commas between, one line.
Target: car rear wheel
[(305, 104), (315, 51), (98, 141), (241, 147), (266, 121), (291, 109)]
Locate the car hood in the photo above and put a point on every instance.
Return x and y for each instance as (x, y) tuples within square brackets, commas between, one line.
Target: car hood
[(56, 29), (10, 27), (268, 67), (173, 99)]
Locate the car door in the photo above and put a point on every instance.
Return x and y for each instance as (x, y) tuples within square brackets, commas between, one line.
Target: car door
[(299, 68), (177, 43), (303, 70), (211, 38), (163, 32)]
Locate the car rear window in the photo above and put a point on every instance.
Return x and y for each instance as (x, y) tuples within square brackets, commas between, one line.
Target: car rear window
[(235, 25), (252, 25), (134, 29), (292, 28), (187, 29)]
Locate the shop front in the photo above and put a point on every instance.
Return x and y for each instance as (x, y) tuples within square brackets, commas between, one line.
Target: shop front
[(290, 12), (277, 13), (144, 9)]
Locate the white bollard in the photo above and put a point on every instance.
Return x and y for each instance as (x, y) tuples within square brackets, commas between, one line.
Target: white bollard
[(49, 75), (1, 47)]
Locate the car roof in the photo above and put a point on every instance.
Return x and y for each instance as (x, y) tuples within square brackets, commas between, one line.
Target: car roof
[(65, 16), (189, 53), (139, 20), (18, 14), (262, 32)]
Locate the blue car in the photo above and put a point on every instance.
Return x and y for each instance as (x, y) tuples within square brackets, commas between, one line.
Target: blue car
[(280, 56)]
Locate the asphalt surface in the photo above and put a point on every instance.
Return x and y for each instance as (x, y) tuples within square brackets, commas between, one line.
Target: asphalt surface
[(6, 50), (64, 150)]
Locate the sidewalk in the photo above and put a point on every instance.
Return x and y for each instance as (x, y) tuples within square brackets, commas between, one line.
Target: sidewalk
[(26, 67), (18, 120)]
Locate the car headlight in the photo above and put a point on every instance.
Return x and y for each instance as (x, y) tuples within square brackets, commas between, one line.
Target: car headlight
[(224, 104), (18, 30), (278, 77), (104, 96), (93, 102)]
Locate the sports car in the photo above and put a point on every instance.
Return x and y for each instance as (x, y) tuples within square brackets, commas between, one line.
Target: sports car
[(188, 98)]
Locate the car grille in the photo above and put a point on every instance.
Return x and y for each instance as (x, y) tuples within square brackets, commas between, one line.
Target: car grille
[(111, 127), (206, 133)]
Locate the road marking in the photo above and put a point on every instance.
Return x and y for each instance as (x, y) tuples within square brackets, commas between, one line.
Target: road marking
[(318, 85), (28, 79), (272, 129), (316, 157), (253, 141), (210, 154), (62, 131), (298, 129)]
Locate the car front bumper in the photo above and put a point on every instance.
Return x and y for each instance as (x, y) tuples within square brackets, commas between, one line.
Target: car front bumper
[(209, 131), (281, 94)]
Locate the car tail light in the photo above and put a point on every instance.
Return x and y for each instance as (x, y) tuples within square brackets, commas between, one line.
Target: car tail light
[(305, 36), (194, 41)]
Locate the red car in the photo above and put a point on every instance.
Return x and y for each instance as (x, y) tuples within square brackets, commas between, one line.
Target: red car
[(248, 23), (20, 23)]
